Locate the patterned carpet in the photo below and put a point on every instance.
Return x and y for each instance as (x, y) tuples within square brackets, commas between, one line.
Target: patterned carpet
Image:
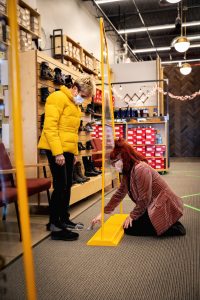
[(139, 268)]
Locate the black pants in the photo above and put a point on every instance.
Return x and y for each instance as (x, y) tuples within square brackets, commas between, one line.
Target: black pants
[(62, 182), (144, 227)]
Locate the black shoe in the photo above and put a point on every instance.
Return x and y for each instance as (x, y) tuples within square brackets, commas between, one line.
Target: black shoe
[(74, 226), (80, 146), (91, 174), (89, 145), (64, 235)]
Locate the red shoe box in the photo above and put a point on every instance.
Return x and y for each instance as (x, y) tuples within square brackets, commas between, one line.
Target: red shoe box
[(131, 142), (150, 142), (150, 131), (140, 149), (149, 153), (160, 160), (159, 154), (140, 142), (150, 148)]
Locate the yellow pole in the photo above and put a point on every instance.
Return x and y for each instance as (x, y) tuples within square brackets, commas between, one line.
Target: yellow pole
[(103, 125), (18, 150), (111, 102)]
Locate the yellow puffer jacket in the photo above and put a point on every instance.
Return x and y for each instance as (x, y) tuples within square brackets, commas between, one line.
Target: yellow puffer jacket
[(62, 121)]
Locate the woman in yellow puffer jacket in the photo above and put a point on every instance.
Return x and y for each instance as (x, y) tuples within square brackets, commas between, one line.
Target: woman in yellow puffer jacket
[(60, 140)]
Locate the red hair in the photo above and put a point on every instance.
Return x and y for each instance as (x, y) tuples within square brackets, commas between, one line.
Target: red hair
[(127, 153)]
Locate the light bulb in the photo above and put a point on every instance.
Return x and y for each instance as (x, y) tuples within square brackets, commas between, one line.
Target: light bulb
[(181, 44), (185, 69), (173, 1)]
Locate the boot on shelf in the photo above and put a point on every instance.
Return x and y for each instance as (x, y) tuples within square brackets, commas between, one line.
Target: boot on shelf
[(89, 109), (80, 146), (88, 127), (76, 177), (44, 92), (79, 171), (58, 76), (42, 117), (94, 169), (89, 145), (81, 128), (45, 71), (88, 167), (68, 81)]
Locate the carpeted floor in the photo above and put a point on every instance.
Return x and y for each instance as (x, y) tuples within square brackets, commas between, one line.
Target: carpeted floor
[(139, 268)]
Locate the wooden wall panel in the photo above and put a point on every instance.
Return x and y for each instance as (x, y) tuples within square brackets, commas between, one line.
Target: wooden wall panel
[(184, 116)]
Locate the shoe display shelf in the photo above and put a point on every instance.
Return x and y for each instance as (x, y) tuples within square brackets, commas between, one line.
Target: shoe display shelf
[(151, 139), (28, 21), (73, 54), (33, 108)]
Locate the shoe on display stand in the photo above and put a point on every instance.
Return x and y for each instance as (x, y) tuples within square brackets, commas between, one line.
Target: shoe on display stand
[(76, 177), (45, 71), (80, 146), (58, 76), (88, 167), (89, 109), (89, 145), (79, 171), (68, 81), (44, 94)]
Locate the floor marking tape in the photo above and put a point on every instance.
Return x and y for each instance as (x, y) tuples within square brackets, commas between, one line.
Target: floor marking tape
[(187, 196), (192, 207)]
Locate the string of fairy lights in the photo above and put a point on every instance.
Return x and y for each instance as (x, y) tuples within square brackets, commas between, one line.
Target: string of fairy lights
[(145, 96)]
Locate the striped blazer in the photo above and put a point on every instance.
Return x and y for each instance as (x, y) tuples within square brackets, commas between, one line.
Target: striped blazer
[(150, 192)]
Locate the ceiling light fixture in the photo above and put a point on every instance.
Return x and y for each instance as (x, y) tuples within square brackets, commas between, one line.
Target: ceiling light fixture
[(185, 69), (179, 61), (159, 27), (151, 50), (173, 1), (182, 44)]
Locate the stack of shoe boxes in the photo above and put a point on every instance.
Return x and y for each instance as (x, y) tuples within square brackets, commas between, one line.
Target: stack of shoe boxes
[(3, 7), (98, 96), (88, 61), (35, 25), (119, 131), (144, 141), (24, 17), (25, 41)]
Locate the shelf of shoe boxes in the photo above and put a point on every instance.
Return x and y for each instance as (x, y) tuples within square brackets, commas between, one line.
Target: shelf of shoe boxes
[(150, 139), (29, 25), (75, 56)]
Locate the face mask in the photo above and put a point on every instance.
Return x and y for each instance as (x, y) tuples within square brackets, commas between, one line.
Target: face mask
[(78, 100), (119, 166)]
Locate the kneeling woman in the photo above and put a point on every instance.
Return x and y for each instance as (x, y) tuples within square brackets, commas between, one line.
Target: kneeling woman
[(157, 208)]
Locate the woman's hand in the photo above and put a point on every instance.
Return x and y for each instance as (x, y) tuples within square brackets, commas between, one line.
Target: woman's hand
[(128, 222), (96, 220), (60, 159)]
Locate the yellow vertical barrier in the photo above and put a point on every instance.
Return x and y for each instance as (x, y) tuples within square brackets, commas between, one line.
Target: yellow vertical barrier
[(18, 150), (111, 102), (103, 125), (111, 232)]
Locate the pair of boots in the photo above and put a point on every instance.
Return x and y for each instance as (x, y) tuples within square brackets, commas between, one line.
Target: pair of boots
[(87, 127), (90, 169), (78, 176), (45, 71), (44, 93)]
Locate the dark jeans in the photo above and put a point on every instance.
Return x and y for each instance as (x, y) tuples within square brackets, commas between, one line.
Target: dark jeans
[(62, 182), (144, 227)]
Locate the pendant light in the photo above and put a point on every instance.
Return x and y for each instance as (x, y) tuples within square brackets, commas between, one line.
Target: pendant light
[(182, 44), (185, 69), (173, 1)]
